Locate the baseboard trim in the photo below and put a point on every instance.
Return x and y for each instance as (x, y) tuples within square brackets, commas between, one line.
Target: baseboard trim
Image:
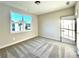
[(17, 42), (57, 40), (50, 38)]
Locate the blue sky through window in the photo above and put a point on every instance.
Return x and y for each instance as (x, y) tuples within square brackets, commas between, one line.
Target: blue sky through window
[(16, 17), (27, 19)]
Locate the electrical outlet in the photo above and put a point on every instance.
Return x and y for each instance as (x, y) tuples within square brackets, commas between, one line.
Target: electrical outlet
[(13, 38)]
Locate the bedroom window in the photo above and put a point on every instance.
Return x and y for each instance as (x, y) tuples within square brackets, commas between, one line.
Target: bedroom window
[(20, 23)]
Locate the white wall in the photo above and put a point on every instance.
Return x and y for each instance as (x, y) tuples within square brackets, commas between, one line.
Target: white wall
[(49, 24), (6, 38)]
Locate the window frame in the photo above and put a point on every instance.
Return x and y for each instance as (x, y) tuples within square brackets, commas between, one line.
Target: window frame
[(19, 22)]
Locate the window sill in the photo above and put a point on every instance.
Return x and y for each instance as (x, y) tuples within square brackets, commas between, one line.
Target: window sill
[(21, 32)]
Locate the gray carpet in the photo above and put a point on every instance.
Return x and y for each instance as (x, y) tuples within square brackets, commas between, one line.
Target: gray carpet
[(39, 48), (54, 52)]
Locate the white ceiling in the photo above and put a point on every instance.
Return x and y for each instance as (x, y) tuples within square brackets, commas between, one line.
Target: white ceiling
[(43, 7)]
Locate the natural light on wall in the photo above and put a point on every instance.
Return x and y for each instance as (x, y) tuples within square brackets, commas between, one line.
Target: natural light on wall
[(20, 23)]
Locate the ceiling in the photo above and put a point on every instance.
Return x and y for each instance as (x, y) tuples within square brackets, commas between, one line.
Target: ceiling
[(43, 7)]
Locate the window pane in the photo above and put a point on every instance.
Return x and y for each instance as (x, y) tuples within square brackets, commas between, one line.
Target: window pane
[(70, 33), (65, 32), (16, 20), (20, 25), (66, 36), (73, 25), (74, 35), (70, 24), (27, 22), (65, 24), (15, 17), (28, 26), (13, 27), (27, 19), (71, 38), (78, 38), (16, 27), (77, 25)]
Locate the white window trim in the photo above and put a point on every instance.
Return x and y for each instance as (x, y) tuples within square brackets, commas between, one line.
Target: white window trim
[(14, 32)]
